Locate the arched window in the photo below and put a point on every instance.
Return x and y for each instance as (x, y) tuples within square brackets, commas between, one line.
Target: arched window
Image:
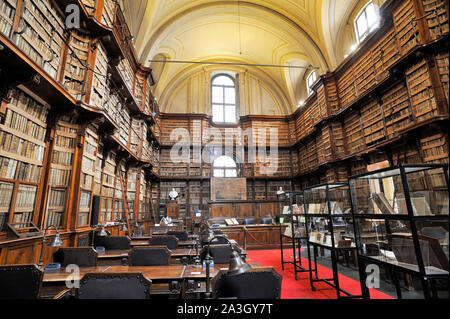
[(223, 97), (224, 166), (312, 77), (366, 21)]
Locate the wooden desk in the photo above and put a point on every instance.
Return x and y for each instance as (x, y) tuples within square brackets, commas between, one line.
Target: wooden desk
[(115, 257), (171, 272), (166, 280), (140, 243), (61, 275)]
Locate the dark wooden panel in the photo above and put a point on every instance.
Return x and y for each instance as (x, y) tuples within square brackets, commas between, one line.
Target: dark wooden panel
[(244, 210), (220, 210)]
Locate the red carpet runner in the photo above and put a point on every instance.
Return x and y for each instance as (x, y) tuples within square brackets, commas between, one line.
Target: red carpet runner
[(301, 288)]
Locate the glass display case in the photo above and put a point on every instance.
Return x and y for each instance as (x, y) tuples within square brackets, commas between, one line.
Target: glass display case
[(401, 219), (330, 229), (292, 216)]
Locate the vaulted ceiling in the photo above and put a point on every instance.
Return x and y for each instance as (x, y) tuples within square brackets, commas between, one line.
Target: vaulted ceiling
[(276, 32)]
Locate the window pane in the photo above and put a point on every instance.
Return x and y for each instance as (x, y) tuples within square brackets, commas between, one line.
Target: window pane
[(371, 15), (218, 173), (230, 114), (230, 96), (362, 25), (223, 80), (230, 173), (310, 81), (224, 161), (217, 113), (217, 94)]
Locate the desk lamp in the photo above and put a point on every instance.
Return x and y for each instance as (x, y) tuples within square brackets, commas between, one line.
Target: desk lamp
[(207, 233), (237, 265), (102, 233), (56, 242), (197, 261)]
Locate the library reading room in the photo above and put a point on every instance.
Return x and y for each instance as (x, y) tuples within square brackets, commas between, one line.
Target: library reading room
[(201, 150)]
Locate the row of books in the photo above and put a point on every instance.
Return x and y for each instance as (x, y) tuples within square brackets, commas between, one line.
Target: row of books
[(60, 177), (16, 170), (57, 198), (108, 13), (7, 12), (85, 200), (64, 141), (23, 219), (99, 83), (35, 109), (83, 218), (62, 158), (6, 190), (24, 125), (54, 218), (26, 196), (14, 144)]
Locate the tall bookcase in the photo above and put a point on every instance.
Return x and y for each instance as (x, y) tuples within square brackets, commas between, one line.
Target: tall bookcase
[(22, 152), (86, 118)]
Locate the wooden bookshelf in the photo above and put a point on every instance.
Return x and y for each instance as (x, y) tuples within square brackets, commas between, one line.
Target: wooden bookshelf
[(57, 150), (406, 26), (76, 72), (22, 152), (61, 171), (42, 34), (421, 91)]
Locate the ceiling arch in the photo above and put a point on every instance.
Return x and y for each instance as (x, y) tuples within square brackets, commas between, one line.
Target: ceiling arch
[(281, 32)]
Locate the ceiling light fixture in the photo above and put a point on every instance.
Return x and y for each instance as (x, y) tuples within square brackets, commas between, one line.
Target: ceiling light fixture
[(237, 64)]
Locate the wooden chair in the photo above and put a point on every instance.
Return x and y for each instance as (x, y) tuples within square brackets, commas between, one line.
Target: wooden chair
[(81, 256), (20, 282), (113, 242), (260, 283), (149, 256), (181, 235), (164, 240), (114, 286)]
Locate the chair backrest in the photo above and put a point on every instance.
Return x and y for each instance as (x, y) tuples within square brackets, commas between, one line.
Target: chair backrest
[(20, 282), (267, 221), (149, 256), (164, 240), (219, 253), (260, 283), (114, 286), (181, 235), (113, 242), (250, 221), (219, 241), (82, 257)]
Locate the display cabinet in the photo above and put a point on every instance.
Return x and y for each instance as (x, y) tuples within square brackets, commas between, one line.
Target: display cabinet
[(329, 226), (402, 224), (292, 214)]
